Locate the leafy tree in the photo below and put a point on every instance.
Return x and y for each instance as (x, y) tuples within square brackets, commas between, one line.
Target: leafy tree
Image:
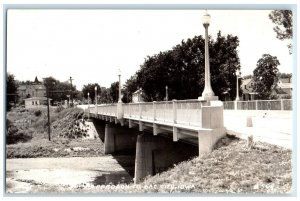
[(58, 91), (11, 90), (285, 75), (248, 77), (284, 25), (105, 96), (182, 70), (114, 91), (90, 88), (265, 76)]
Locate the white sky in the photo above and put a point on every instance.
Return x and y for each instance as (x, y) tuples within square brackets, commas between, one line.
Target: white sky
[(90, 45)]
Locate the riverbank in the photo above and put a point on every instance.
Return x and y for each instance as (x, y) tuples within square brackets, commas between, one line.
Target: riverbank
[(231, 168)]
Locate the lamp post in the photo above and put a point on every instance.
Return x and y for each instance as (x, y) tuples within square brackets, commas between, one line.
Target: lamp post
[(166, 92), (207, 93), (237, 73), (96, 100), (88, 105), (119, 104), (119, 74)]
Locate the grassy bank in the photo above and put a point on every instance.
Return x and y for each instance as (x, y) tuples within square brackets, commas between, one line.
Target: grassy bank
[(27, 135), (230, 168)]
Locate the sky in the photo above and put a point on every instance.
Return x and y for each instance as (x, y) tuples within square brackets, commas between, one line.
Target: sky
[(91, 45)]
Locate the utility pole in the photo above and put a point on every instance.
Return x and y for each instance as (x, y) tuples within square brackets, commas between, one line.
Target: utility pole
[(48, 113), (71, 90)]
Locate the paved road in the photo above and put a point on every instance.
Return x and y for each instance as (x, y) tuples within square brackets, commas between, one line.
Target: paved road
[(21, 173)]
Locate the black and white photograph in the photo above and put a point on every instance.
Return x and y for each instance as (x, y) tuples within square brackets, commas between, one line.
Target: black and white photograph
[(149, 100)]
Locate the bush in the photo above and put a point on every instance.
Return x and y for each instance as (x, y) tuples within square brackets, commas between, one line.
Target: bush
[(59, 109), (15, 135), (37, 113)]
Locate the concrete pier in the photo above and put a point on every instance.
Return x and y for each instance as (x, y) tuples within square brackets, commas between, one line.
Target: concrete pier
[(155, 154), (118, 138)]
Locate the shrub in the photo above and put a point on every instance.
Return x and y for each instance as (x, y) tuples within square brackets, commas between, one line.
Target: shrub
[(37, 113)]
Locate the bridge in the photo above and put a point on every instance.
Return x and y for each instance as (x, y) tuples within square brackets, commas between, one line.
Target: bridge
[(201, 123), (190, 120)]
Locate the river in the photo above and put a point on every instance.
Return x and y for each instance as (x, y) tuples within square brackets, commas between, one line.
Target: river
[(23, 174)]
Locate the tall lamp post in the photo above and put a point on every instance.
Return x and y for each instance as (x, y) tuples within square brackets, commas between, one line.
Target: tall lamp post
[(119, 74), (88, 105), (237, 73), (96, 100), (119, 104), (167, 93), (207, 93)]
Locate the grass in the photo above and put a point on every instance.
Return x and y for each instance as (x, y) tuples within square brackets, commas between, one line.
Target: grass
[(34, 141), (230, 168)]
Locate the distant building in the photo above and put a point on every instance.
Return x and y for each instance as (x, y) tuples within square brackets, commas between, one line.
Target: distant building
[(248, 92), (137, 96), (283, 89), (35, 102), (31, 90)]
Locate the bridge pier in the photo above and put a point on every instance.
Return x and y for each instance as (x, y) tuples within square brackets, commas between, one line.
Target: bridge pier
[(118, 138), (155, 154)]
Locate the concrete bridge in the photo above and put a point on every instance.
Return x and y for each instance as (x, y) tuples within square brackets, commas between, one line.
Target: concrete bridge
[(140, 125), (194, 121)]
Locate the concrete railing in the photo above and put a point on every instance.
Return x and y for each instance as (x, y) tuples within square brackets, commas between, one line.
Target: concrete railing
[(282, 104), (186, 112)]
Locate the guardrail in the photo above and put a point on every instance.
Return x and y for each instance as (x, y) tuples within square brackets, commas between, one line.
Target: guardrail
[(282, 104)]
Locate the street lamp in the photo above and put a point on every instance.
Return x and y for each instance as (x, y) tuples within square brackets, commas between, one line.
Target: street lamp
[(88, 105), (119, 74), (207, 93), (166, 92), (237, 73), (96, 99), (119, 104)]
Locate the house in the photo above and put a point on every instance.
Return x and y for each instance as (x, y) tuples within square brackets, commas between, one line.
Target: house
[(283, 89), (35, 102), (33, 89), (137, 96), (247, 88)]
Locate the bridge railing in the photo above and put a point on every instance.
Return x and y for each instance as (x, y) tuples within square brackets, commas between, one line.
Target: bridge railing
[(108, 109), (187, 112), (282, 104)]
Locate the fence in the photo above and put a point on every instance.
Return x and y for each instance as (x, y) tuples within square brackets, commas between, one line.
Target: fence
[(282, 104)]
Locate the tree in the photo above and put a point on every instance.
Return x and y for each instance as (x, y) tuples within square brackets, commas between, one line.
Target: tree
[(182, 70), (58, 91), (90, 88), (11, 90), (284, 25), (265, 76), (114, 91)]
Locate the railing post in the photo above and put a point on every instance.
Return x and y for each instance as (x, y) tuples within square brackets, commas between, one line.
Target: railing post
[(140, 111), (154, 110), (174, 111), (281, 104), (256, 104)]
